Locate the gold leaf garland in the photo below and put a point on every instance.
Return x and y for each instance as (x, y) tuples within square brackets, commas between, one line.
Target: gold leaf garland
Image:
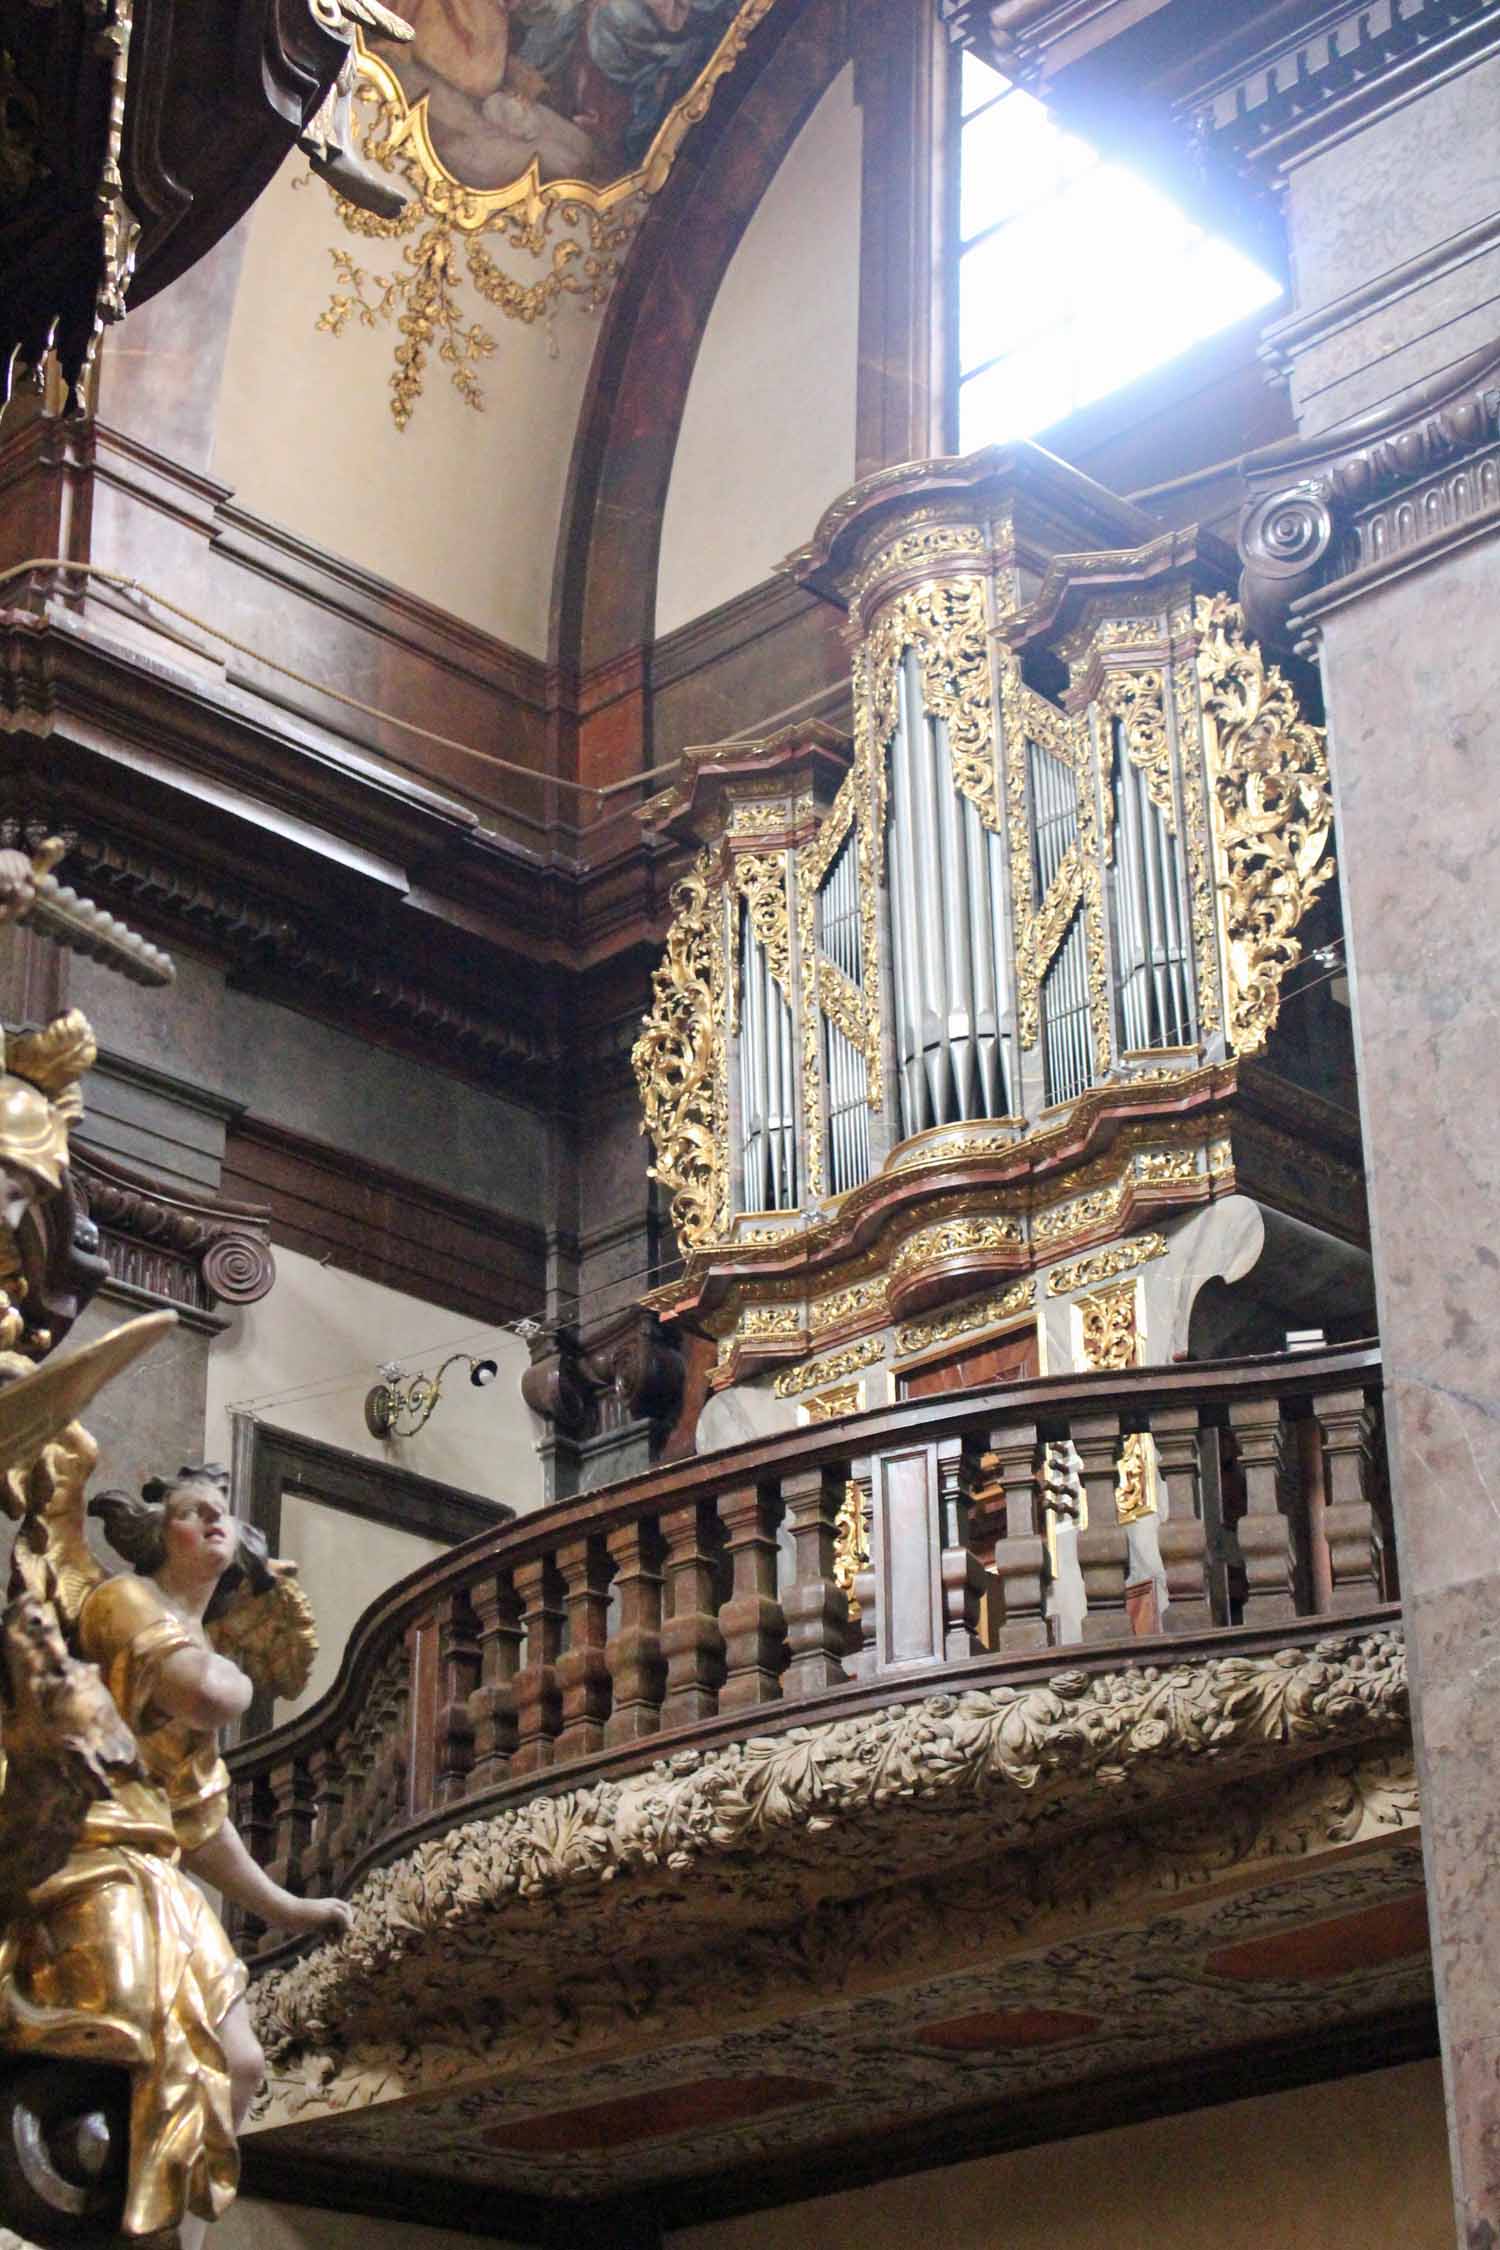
[(1272, 815), (761, 883), (679, 1063), (1199, 845), (814, 1373)]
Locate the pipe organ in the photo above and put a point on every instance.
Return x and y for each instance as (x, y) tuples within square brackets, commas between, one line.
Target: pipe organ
[(949, 1001)]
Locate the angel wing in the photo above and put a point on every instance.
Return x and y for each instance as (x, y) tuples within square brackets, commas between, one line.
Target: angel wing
[(46, 1459), (272, 1635)]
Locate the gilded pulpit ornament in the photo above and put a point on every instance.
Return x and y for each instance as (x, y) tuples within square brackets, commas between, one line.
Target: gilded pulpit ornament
[(543, 126)]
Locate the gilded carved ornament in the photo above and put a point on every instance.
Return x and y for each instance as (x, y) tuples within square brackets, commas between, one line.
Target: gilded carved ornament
[(1109, 1330), (1103, 1265), (760, 880), (1136, 699), (946, 623), (966, 1320), (1272, 815), (581, 228), (793, 1381), (1198, 836), (680, 1065)]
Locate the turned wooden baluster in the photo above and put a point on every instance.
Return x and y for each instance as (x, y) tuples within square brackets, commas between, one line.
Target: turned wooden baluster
[(752, 1621), (817, 1610), (1181, 1534), (458, 1676), (633, 1651), (582, 1673), (1012, 1467), (690, 1637), (962, 1572), (492, 1706), (326, 1766), (1263, 1534), (538, 1701), (1103, 1550), (1349, 1541), (256, 1822), (356, 1754), (292, 1810)]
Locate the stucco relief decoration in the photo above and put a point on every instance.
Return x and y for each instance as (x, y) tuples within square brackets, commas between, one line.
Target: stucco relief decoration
[(539, 127), (1272, 815)]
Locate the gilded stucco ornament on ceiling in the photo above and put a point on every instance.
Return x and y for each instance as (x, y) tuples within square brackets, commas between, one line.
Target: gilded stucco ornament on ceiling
[(542, 127)]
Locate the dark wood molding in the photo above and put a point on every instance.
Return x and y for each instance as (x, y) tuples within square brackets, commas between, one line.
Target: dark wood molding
[(268, 1460), (347, 1212)]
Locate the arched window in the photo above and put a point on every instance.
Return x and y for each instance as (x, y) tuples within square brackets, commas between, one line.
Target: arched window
[(1075, 275)]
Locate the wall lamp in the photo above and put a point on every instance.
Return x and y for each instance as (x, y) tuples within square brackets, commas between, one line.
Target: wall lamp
[(399, 1407)]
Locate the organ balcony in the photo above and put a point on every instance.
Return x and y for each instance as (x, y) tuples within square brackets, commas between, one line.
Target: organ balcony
[(764, 1818), (999, 1719)]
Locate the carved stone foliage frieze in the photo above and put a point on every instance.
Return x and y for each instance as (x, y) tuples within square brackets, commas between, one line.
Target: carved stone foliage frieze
[(743, 1826)]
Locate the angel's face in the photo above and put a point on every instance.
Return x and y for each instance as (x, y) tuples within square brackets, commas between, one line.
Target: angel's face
[(199, 1532)]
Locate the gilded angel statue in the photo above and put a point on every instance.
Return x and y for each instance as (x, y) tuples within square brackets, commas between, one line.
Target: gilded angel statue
[(111, 1954)]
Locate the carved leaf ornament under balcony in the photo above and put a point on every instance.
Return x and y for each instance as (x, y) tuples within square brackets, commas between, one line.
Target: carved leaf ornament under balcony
[(912, 1771), (1224, 810)]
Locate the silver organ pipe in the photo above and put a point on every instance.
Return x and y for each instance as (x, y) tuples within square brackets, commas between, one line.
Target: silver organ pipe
[(951, 984), (768, 1084), (840, 941), (1066, 1056), (1152, 988)]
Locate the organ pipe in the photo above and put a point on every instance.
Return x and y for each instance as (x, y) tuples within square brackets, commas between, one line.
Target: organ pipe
[(768, 1082), (951, 984), (1153, 993)]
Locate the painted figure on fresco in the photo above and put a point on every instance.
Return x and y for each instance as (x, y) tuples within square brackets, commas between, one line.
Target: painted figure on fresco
[(579, 85), (112, 1954)]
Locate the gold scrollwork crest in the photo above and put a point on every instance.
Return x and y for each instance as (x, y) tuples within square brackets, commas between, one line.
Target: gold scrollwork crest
[(761, 882), (1272, 815), (679, 1063), (472, 95), (1136, 699)]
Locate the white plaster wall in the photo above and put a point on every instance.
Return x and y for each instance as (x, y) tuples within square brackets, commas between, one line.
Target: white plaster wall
[(304, 1358), (344, 1563), (461, 507), (767, 437)]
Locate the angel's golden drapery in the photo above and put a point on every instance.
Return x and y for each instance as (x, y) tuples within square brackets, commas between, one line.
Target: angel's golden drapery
[(120, 1958)]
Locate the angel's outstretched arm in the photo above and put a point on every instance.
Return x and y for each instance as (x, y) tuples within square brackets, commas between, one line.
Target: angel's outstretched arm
[(224, 1862), (204, 1689)]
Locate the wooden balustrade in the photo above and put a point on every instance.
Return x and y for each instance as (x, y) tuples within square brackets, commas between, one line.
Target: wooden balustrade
[(673, 1601)]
